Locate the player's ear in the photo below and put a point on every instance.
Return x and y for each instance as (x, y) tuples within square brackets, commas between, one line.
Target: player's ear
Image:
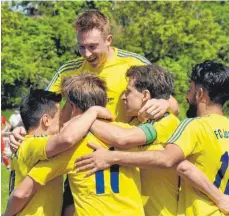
[(146, 95), (75, 110), (201, 95), (109, 40), (45, 120)]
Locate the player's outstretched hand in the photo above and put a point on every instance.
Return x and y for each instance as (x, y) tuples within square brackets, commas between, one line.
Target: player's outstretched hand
[(102, 112), (223, 204), (153, 109), (100, 159), (16, 137)]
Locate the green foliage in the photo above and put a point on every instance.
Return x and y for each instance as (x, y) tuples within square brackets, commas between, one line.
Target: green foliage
[(176, 35), (7, 113)]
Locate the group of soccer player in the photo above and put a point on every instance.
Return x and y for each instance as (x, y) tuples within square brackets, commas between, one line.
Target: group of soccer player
[(132, 158)]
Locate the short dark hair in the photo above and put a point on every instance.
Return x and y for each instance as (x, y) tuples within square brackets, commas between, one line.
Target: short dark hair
[(92, 19), (85, 90), (214, 77), (154, 78), (37, 103)]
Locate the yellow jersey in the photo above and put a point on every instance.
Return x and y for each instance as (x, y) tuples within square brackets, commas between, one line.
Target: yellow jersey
[(48, 200), (113, 72), (160, 186), (112, 192), (204, 142)]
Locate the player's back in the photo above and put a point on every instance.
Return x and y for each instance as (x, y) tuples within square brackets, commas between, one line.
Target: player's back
[(31, 151), (115, 191), (160, 186), (109, 192), (210, 154)]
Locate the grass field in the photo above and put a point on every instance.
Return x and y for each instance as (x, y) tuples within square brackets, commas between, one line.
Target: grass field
[(4, 183)]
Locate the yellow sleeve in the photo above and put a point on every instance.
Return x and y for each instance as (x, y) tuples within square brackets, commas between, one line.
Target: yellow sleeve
[(139, 60), (38, 149), (66, 70), (165, 128), (185, 136), (47, 170)]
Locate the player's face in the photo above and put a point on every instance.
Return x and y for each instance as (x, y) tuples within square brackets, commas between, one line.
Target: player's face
[(93, 47), (55, 122), (191, 98), (133, 99)]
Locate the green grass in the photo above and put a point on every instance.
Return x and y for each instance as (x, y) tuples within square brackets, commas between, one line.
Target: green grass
[(7, 113), (5, 191)]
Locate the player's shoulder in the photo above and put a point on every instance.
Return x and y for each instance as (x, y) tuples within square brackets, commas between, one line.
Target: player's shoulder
[(132, 58), (71, 65), (168, 118)]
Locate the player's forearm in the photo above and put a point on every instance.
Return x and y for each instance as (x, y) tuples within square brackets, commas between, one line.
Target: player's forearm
[(174, 106), (198, 179), (145, 159), (14, 206), (71, 134), (21, 196), (117, 136)]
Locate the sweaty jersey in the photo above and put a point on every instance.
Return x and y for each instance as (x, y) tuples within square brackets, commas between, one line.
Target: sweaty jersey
[(112, 192), (113, 72), (48, 200), (204, 142), (160, 186)]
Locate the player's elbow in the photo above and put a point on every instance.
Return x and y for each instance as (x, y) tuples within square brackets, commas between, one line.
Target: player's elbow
[(20, 194), (184, 169), (166, 162), (67, 141), (122, 143)]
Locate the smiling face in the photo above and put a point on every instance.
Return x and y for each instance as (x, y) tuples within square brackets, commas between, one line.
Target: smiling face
[(133, 99), (94, 46)]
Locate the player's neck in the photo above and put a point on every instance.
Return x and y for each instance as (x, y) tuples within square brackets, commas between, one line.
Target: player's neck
[(111, 53), (38, 131), (210, 109)]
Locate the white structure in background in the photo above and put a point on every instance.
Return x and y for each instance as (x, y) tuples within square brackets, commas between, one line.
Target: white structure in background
[(15, 119)]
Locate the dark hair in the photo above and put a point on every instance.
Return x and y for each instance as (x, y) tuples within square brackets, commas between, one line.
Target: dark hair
[(214, 77), (153, 78), (85, 90), (92, 19), (37, 103)]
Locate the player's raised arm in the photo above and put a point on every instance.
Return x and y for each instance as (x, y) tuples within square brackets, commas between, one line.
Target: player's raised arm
[(75, 130)]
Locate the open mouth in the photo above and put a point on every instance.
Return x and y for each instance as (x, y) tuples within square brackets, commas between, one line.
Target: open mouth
[(92, 59)]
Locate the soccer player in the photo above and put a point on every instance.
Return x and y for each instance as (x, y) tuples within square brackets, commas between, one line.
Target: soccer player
[(203, 140), (158, 188), (106, 193), (40, 112), (110, 63)]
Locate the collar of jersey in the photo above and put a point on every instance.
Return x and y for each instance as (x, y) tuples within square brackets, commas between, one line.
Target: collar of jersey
[(108, 63)]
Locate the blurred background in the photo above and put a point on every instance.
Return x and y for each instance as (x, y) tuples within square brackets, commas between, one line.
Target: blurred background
[(37, 38)]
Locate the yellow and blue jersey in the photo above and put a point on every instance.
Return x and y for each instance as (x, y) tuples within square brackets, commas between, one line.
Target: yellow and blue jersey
[(113, 72), (160, 186), (48, 200), (204, 142), (115, 191)]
